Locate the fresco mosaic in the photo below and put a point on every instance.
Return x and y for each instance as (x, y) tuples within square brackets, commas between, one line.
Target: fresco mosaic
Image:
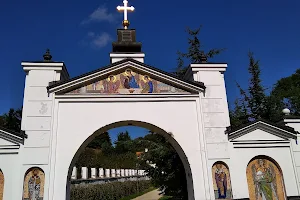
[(1, 185), (128, 82), (221, 181), (265, 180), (34, 185)]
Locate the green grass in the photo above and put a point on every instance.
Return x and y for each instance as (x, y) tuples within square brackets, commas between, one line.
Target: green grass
[(138, 194), (166, 198)]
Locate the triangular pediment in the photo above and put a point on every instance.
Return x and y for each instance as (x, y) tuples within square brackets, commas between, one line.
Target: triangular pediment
[(259, 134), (11, 138), (262, 131), (127, 77)]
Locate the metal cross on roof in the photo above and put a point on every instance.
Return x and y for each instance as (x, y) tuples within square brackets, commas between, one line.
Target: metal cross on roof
[(125, 8)]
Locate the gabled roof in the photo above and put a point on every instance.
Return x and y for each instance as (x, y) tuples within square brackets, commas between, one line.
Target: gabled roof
[(61, 84), (12, 136), (275, 129)]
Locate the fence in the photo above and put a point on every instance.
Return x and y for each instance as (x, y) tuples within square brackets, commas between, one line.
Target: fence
[(84, 173)]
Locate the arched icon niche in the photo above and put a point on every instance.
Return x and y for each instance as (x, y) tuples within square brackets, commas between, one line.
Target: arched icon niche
[(265, 180)]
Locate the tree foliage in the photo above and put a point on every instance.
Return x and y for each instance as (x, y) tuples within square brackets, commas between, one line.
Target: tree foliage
[(12, 120), (195, 52), (255, 104), (252, 104), (169, 170), (286, 93)]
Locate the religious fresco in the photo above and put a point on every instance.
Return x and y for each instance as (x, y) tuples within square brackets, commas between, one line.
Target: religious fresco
[(34, 184), (127, 82), (265, 180), (221, 181), (1, 184)]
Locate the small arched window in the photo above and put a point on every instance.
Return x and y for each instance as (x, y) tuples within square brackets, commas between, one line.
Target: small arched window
[(221, 181), (34, 184)]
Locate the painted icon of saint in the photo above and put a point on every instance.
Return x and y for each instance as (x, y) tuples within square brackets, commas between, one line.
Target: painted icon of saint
[(34, 185), (221, 181), (265, 181), (111, 85), (148, 85), (132, 82)]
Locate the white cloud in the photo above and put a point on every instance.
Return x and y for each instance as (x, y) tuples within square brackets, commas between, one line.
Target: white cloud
[(98, 40), (99, 15)]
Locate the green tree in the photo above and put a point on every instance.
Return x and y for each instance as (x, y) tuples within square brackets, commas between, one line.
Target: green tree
[(253, 103), (12, 120), (124, 143), (102, 139), (168, 170), (286, 94), (195, 54)]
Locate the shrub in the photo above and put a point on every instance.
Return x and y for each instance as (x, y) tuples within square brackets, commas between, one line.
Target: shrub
[(108, 191)]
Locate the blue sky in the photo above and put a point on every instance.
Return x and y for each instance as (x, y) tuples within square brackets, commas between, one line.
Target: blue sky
[(80, 34)]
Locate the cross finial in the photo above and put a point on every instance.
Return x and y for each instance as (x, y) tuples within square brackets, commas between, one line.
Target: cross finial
[(125, 8)]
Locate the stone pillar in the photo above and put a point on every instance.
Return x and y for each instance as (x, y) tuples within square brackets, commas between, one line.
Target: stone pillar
[(132, 172), (126, 172), (122, 172), (107, 173), (101, 172), (113, 173), (84, 172), (93, 173), (118, 172), (74, 173)]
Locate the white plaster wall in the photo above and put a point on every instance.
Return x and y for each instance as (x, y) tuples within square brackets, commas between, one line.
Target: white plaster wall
[(77, 121), (241, 157), (116, 57), (295, 123), (10, 166), (37, 119)]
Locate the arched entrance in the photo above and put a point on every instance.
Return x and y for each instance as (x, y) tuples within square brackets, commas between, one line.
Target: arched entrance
[(152, 128), (265, 180)]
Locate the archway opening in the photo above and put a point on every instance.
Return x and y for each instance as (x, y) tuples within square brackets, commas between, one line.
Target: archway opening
[(157, 156), (265, 179)]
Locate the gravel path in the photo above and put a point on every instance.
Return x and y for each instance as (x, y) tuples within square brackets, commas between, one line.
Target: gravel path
[(153, 195)]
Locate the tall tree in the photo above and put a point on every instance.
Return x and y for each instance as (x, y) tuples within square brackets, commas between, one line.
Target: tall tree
[(253, 103), (169, 170), (12, 120), (101, 140), (195, 54), (123, 143), (286, 94)]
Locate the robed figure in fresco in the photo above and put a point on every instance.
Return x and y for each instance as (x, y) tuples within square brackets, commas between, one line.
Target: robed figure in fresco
[(265, 181), (130, 80), (221, 181), (34, 185), (111, 85), (148, 86)]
